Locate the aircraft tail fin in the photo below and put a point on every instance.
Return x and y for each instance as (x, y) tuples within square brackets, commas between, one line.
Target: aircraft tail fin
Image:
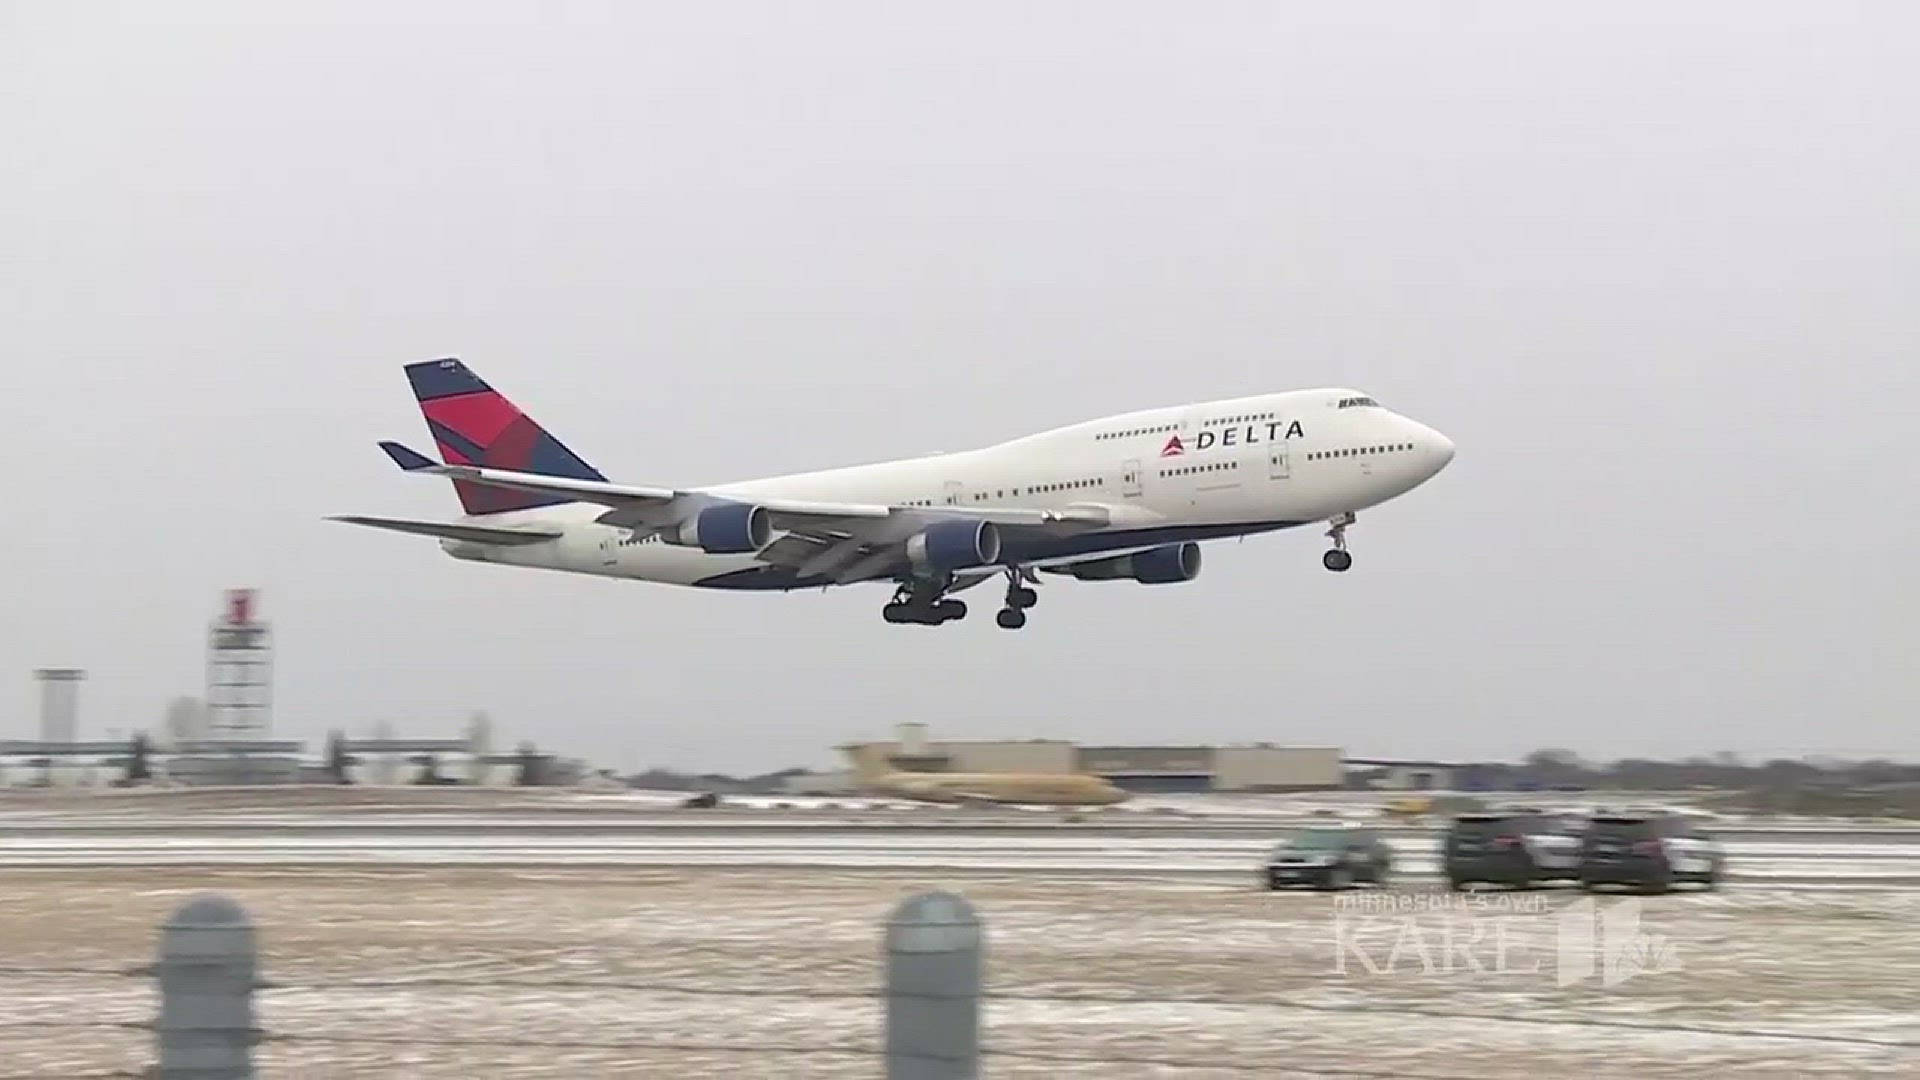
[(474, 424), (869, 762)]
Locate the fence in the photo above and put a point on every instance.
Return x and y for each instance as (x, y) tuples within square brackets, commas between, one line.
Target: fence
[(208, 972)]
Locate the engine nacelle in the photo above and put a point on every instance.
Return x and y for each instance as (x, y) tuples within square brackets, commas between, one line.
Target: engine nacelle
[(953, 545), (1155, 566), (727, 529)]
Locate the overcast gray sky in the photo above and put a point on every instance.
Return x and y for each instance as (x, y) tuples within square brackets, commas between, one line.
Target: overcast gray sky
[(1653, 267)]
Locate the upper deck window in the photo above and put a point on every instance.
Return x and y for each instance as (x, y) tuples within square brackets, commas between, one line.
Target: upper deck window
[(1352, 402)]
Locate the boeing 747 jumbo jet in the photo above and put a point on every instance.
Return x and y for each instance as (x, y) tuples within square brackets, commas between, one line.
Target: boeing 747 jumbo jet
[(1126, 497)]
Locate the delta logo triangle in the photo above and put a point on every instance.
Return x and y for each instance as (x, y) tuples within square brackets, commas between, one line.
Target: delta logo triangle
[(1174, 446)]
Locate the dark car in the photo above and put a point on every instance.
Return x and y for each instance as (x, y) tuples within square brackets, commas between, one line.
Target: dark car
[(1331, 858), (1520, 848), (1649, 851)]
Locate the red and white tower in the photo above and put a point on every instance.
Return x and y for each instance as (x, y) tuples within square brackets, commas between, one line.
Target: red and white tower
[(239, 672)]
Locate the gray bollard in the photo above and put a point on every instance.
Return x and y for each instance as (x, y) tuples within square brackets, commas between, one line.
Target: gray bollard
[(207, 972), (934, 945)]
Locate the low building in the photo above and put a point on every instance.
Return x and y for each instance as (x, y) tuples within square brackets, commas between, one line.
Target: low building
[(1391, 775), (1278, 768), (1150, 768), (37, 763), (1135, 768), (235, 765)]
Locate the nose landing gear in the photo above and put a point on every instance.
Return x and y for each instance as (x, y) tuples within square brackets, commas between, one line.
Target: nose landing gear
[(1337, 559)]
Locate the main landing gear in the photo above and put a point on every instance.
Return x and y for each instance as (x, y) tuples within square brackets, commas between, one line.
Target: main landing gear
[(923, 601), (1019, 599), (920, 603), (1338, 559)]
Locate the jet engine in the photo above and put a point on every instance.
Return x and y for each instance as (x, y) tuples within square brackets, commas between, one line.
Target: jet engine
[(1155, 566), (951, 545), (727, 529)]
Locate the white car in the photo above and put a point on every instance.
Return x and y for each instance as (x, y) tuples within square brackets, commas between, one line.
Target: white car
[(1651, 851)]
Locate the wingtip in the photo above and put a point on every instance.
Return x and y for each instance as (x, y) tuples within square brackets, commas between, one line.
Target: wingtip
[(408, 459)]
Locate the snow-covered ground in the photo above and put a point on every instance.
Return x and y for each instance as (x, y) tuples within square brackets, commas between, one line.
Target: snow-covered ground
[(462, 972)]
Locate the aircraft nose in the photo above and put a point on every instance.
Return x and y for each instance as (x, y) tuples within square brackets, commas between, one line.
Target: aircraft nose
[(1436, 448)]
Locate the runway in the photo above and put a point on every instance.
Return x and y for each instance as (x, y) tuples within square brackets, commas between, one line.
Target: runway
[(763, 839)]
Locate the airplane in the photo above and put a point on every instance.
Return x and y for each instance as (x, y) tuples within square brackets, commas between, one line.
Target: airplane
[(1122, 498), (875, 775), (1018, 789)]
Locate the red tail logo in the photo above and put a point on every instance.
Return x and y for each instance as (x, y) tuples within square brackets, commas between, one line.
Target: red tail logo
[(1174, 446), (472, 424)]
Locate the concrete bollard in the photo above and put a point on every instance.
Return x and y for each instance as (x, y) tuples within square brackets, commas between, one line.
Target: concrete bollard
[(934, 944), (207, 970)]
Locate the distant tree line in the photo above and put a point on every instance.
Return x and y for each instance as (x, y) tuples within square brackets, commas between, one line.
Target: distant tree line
[(1725, 770)]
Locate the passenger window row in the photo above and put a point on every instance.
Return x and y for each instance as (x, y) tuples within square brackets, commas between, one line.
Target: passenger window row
[(1067, 485), (1241, 419), (1132, 432), (1037, 489), (1360, 451), (1189, 470)]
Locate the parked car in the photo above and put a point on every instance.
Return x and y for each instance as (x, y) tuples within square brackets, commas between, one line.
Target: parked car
[(1520, 848), (1329, 858), (1650, 851)]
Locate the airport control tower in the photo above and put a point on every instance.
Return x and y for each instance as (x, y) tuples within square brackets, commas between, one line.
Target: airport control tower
[(239, 672)]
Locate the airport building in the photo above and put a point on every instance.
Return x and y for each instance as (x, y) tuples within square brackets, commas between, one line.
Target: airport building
[(1137, 768)]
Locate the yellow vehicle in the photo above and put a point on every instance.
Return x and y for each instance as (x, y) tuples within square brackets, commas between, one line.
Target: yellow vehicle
[(1026, 789), (1410, 806), (1030, 789)]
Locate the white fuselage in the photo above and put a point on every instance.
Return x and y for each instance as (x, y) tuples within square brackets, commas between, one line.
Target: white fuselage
[(1241, 466)]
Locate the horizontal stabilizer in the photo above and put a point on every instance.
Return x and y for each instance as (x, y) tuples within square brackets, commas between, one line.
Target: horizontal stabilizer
[(410, 460), (557, 488), (475, 534)]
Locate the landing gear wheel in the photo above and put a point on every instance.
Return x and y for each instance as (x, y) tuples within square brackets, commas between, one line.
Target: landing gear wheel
[(1338, 560), (919, 602), (1011, 618), (1022, 597)]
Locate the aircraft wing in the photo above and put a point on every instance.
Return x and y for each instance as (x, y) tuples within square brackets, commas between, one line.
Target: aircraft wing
[(845, 541), (1066, 564)]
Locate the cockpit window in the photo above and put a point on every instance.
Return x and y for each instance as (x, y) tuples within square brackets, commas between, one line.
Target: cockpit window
[(1354, 402)]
